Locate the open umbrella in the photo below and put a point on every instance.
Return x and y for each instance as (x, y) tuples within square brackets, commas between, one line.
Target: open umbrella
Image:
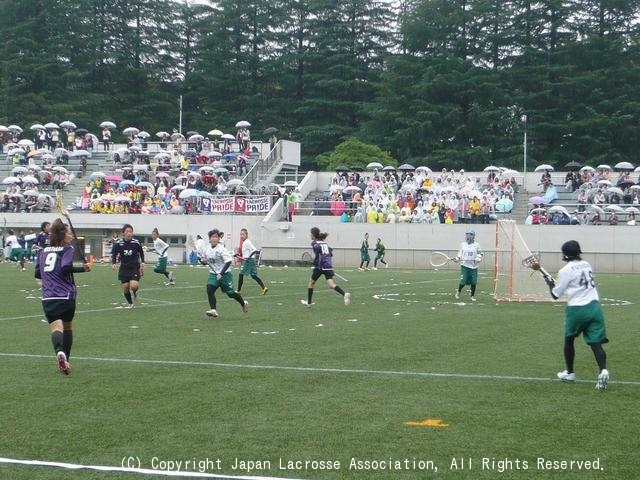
[(144, 134), (30, 179), (491, 168), (356, 168), (623, 166), (206, 169), (558, 209), (351, 189), (175, 136), (80, 153), (374, 166), (634, 210), (196, 138), (188, 193), (603, 166), (342, 168), (3, 128), (425, 170), (67, 124), (406, 167), (37, 126), (235, 182), (615, 190), (243, 124), (606, 183), (537, 200), (269, 131), (131, 131), (215, 132), (220, 170), (51, 125), (162, 175), (573, 165), (25, 142), (504, 205), (162, 134), (290, 183), (227, 136), (213, 154), (177, 187), (107, 124), (19, 170), (95, 175), (614, 208), (11, 181), (162, 156), (81, 131), (389, 168), (15, 128), (113, 178), (544, 166)]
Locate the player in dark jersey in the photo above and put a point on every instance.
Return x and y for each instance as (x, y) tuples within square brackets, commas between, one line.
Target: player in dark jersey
[(54, 268), (322, 265), (130, 253)]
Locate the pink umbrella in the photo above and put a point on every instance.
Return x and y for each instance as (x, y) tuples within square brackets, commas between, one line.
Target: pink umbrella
[(538, 200), (113, 178)]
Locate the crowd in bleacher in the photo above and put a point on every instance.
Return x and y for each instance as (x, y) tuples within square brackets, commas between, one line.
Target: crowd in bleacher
[(389, 195)]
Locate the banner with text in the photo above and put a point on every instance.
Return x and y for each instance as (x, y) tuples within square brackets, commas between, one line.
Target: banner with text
[(235, 204)]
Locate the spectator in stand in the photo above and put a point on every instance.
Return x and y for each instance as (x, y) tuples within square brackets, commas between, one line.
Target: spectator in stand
[(106, 139)]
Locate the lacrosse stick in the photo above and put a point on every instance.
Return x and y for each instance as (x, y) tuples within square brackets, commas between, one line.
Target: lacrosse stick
[(440, 259), (533, 262), (307, 259), (65, 213)]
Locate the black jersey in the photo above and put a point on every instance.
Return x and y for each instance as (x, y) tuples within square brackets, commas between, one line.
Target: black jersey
[(130, 253)]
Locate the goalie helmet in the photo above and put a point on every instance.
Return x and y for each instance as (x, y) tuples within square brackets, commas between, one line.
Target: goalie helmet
[(571, 251)]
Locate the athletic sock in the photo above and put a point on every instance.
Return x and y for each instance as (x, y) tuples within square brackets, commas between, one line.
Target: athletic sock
[(257, 279), (211, 296), (240, 282), (569, 353), (237, 297), (600, 354), (339, 290), (309, 295), (67, 342), (57, 341), (473, 290), (127, 297)]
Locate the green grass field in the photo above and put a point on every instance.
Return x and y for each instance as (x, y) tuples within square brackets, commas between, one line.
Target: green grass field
[(404, 372)]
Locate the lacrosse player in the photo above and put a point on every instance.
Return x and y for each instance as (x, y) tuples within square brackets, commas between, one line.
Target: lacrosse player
[(160, 248), (469, 256), (583, 314), (248, 254)]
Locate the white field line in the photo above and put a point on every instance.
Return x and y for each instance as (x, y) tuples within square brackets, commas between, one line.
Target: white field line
[(141, 471), (356, 371), (165, 303)]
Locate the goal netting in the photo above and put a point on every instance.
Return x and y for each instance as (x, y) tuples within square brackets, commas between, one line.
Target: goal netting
[(513, 281)]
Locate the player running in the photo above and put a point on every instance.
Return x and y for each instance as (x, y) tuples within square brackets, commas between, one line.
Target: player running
[(54, 268), (380, 253), (583, 314), (219, 261), (129, 252), (322, 265), (160, 248)]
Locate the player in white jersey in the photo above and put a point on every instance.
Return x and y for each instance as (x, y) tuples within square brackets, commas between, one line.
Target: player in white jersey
[(219, 261), (160, 248), (248, 255), (583, 313), (469, 256)]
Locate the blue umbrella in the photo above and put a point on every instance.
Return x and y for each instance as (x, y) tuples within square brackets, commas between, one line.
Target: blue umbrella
[(504, 205), (230, 156)]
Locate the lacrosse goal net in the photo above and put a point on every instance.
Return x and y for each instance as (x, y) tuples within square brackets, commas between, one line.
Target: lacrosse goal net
[(512, 280)]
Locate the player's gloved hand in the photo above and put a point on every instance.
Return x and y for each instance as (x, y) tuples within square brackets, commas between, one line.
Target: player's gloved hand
[(479, 258), (456, 259), (549, 281)]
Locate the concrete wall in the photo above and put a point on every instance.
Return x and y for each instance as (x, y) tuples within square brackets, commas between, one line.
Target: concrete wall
[(610, 249)]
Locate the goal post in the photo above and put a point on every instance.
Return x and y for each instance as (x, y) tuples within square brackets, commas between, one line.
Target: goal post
[(513, 281)]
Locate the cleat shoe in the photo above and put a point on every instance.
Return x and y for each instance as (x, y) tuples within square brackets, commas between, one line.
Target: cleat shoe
[(62, 363), (603, 379), (361, 269), (130, 305), (245, 307), (347, 298), (473, 299), (264, 291), (386, 265), (171, 279), (306, 304), (212, 313), (566, 377), (172, 282), (374, 268), (457, 294)]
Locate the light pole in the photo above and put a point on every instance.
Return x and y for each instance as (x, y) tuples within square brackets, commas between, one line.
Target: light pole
[(523, 118)]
